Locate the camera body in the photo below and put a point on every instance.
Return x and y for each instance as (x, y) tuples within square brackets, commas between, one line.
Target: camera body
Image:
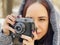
[(24, 26)]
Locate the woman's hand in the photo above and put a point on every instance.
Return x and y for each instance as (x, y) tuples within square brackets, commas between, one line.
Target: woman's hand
[(10, 19), (28, 40)]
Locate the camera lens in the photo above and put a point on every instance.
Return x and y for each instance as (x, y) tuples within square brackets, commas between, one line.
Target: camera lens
[(19, 27)]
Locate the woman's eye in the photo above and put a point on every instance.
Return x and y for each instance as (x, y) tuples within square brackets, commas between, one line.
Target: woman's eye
[(42, 19)]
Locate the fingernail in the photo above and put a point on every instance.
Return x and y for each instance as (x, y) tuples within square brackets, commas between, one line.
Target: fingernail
[(19, 16), (33, 30)]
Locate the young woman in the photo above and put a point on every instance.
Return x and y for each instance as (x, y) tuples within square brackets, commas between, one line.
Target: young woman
[(39, 11)]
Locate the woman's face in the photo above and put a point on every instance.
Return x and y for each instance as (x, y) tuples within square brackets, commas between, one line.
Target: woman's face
[(40, 16)]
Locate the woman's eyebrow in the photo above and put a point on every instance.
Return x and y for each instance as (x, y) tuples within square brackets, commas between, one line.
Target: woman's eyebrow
[(43, 17), (39, 17)]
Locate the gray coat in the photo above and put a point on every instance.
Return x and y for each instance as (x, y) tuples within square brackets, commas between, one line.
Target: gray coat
[(54, 19)]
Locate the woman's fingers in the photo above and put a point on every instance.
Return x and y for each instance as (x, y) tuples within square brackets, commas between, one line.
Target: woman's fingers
[(10, 22), (11, 29), (11, 17), (29, 38), (25, 42), (26, 38), (19, 16), (7, 28), (35, 35), (14, 15)]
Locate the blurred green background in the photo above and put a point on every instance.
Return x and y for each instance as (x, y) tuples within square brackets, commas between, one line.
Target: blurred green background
[(12, 6)]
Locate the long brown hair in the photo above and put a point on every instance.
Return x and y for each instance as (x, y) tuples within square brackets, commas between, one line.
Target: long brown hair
[(29, 2), (47, 39)]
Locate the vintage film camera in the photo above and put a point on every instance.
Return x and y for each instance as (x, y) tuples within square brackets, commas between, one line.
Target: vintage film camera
[(24, 26)]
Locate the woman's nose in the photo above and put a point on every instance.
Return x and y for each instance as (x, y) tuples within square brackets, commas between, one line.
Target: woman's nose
[(36, 26), (38, 31)]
